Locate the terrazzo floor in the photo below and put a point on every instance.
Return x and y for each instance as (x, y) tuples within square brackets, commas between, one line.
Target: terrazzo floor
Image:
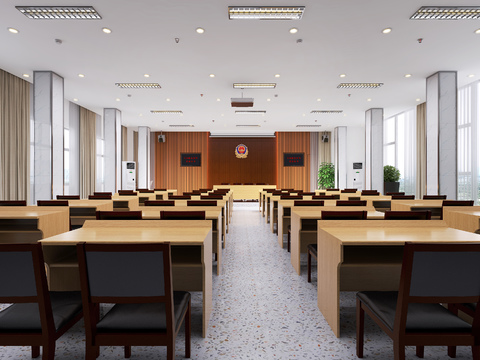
[(261, 310)]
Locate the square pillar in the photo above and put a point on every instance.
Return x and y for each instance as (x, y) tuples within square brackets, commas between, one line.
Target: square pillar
[(374, 149)]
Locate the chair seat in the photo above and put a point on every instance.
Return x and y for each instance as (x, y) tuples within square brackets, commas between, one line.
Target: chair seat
[(420, 318), (25, 317), (148, 317), (313, 249)]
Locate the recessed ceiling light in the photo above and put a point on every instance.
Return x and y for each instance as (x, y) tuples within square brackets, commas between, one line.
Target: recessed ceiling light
[(117, 99), (254, 85), (218, 99), (408, 75), (319, 99), (60, 12), (146, 75), (167, 99), (303, 114), (293, 30), (166, 112), (477, 31), (342, 75), (471, 75), (140, 114), (387, 30), (138, 85), (268, 99), (75, 99), (277, 75), (447, 13), (250, 112), (369, 99), (359, 85), (265, 12), (12, 30), (200, 30), (326, 111), (81, 75), (212, 75), (26, 75), (106, 30)]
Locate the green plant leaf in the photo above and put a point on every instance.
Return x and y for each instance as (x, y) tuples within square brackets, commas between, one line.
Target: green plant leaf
[(326, 175)]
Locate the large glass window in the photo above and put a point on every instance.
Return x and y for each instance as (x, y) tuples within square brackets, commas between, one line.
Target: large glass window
[(66, 161), (100, 160)]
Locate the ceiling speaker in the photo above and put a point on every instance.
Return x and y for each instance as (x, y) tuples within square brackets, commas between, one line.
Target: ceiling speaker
[(242, 102)]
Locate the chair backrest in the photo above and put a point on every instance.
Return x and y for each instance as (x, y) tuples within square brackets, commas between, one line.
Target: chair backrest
[(179, 197), (13, 202), (160, 189), (354, 198), (308, 203), (403, 197), (52, 202), (212, 197), (102, 193), (370, 192), (205, 190), (99, 197), (344, 215), (127, 193), (457, 203), (351, 202), (291, 197), (143, 191), (248, 183), (408, 215), (270, 190), (306, 193), (182, 215), (331, 189), (68, 197), (434, 197), (288, 190), (159, 203), (202, 203), (349, 191), (119, 215), (324, 197), (394, 193)]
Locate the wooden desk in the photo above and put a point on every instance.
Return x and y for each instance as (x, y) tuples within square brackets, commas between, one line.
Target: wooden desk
[(128, 203), (211, 213), (49, 222), (191, 252), (304, 227), (244, 192), (274, 212), (466, 218), (408, 205), (82, 210), (368, 257), (163, 195)]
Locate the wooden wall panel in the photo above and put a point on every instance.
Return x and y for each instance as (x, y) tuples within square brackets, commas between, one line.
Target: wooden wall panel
[(258, 167), (292, 176), (168, 172)]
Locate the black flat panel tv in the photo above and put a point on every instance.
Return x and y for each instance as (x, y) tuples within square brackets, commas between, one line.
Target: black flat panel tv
[(293, 159), (191, 159)]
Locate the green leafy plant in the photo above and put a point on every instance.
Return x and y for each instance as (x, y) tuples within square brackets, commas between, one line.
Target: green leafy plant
[(326, 175), (390, 173)]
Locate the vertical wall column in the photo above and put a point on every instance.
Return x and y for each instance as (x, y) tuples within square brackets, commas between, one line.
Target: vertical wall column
[(374, 149), (143, 157), (441, 130), (48, 113), (340, 156), (113, 149)]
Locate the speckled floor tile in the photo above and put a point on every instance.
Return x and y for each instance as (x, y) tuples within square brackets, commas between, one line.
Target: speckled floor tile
[(261, 310)]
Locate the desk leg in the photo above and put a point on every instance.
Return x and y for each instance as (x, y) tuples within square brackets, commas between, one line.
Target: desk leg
[(295, 242), (330, 257), (207, 284), (219, 249), (280, 226)]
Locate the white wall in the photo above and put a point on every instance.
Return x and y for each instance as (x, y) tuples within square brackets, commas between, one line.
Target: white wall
[(355, 151)]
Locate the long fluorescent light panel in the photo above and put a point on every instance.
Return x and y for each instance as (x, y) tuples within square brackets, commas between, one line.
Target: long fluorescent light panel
[(447, 13), (265, 12), (60, 12)]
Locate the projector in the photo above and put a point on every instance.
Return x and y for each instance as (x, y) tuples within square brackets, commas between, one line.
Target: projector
[(242, 102)]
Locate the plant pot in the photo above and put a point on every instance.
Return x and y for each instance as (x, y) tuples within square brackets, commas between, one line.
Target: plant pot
[(389, 187)]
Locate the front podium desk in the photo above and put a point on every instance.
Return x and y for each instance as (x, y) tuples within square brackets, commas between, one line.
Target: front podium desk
[(191, 244)]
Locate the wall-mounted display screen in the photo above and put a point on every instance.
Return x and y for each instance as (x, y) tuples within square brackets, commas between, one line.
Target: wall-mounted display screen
[(293, 159), (191, 159)]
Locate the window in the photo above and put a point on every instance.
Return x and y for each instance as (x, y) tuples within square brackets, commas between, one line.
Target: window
[(100, 160), (66, 161)]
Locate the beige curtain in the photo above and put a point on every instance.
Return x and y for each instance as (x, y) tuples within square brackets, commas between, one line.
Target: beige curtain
[(135, 154), (124, 143), (421, 151), (87, 152), (324, 148), (14, 137)]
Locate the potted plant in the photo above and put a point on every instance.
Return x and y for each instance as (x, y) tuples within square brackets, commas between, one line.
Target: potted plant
[(391, 177), (326, 175)]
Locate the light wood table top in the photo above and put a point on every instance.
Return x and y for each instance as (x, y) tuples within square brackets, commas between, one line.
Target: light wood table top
[(465, 218), (369, 265), (51, 221), (407, 205), (99, 205)]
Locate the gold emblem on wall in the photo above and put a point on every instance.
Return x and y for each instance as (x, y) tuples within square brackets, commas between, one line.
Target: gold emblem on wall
[(241, 151)]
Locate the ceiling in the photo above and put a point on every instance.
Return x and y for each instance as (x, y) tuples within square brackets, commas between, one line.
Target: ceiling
[(333, 38)]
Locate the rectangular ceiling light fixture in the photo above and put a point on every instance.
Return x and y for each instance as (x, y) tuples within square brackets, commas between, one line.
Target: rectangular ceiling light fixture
[(60, 12), (181, 125), (251, 112), (138, 85), (447, 13), (326, 111), (167, 112), (309, 125), (359, 85), (265, 12), (254, 85)]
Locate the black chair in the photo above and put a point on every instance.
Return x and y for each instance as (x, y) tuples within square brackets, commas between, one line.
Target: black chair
[(291, 197), (13, 202), (431, 274), (332, 189), (331, 215), (159, 203), (325, 197), (212, 197), (349, 191), (304, 193), (145, 191), (127, 193), (102, 193), (179, 197), (100, 197), (351, 203), (308, 203), (408, 215), (68, 197), (370, 193), (160, 189), (434, 197), (354, 198), (52, 202), (403, 197), (395, 193), (202, 203), (119, 215), (182, 215), (137, 279), (36, 317)]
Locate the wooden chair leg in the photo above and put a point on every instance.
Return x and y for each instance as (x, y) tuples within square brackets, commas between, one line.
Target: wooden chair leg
[(398, 350), (452, 352), (91, 352), (360, 328), (476, 352), (171, 351), (309, 266), (188, 330), (35, 351), (48, 351), (128, 351), (420, 351), (288, 240)]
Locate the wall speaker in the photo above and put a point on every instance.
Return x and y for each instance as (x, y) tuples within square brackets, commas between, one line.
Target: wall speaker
[(324, 138), (161, 138)]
